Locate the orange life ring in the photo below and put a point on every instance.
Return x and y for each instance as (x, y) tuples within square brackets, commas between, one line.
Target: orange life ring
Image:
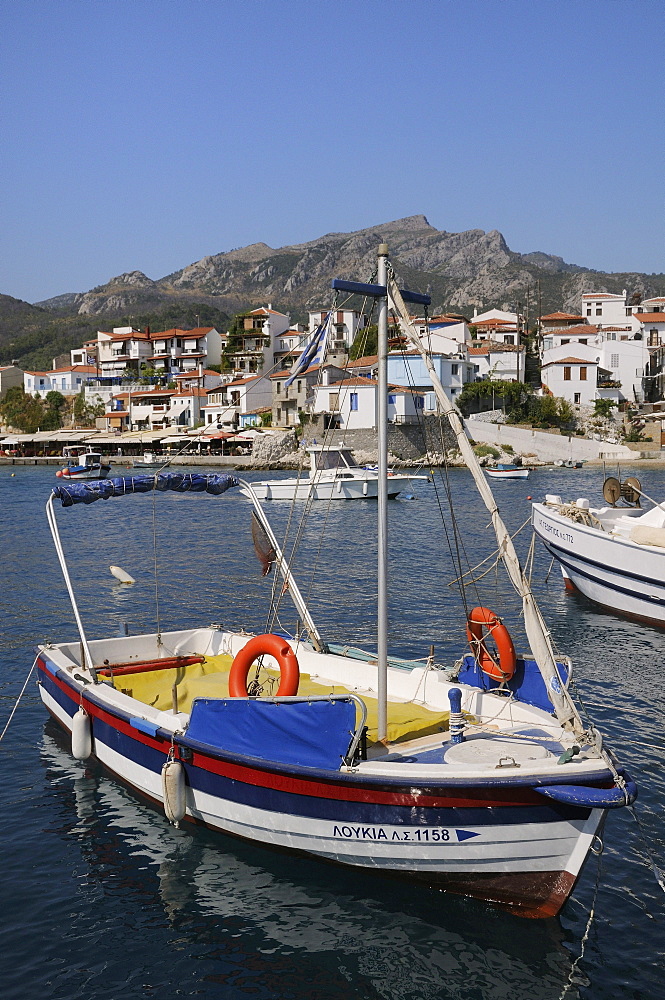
[(273, 645), (478, 619)]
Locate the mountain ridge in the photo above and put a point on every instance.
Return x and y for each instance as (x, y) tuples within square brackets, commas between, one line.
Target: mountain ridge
[(463, 272)]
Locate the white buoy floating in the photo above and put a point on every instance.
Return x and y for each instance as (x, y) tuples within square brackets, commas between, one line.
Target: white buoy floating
[(173, 790), (121, 575), (81, 735)]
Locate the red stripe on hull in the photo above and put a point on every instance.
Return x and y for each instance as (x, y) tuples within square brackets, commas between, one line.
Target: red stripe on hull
[(375, 795)]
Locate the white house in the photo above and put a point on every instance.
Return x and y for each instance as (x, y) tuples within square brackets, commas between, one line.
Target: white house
[(123, 351), (559, 321), (204, 378), (582, 333), (651, 327), (353, 403), (227, 403), (409, 369), (68, 380), (253, 348), (497, 330), (571, 376), (607, 309), (345, 325), (498, 361)]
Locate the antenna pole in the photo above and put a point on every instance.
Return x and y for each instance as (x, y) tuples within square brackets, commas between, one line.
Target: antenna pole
[(382, 425)]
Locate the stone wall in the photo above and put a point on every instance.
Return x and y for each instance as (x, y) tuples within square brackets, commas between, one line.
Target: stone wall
[(407, 443)]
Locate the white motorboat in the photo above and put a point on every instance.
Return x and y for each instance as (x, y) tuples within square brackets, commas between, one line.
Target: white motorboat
[(333, 475), (507, 471), (479, 777), (149, 460), (83, 463), (614, 555)]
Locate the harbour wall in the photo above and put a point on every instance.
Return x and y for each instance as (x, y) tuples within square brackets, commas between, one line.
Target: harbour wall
[(546, 447)]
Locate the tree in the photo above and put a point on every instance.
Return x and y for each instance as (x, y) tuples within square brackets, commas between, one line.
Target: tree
[(603, 407), (22, 411), (366, 342)]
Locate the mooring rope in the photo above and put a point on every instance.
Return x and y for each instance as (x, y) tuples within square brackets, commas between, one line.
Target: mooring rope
[(16, 703)]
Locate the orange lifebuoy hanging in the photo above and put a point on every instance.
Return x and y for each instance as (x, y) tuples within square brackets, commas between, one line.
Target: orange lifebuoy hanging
[(483, 618), (273, 645)]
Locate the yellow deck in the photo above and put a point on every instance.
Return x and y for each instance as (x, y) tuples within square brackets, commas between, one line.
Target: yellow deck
[(406, 720)]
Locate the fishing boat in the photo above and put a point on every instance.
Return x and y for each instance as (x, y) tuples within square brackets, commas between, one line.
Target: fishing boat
[(83, 463), (505, 470), (478, 776), (612, 554), (333, 475), (149, 460)]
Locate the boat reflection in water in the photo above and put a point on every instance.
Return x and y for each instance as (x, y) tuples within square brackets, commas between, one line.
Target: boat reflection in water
[(250, 919)]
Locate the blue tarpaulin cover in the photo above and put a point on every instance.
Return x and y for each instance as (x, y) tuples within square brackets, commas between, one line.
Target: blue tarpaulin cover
[(102, 489), (526, 683), (308, 733)]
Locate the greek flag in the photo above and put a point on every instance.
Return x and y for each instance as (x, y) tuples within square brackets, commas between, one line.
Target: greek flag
[(92, 359), (314, 351)]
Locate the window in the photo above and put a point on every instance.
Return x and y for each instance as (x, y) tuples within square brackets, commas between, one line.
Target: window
[(509, 339), (614, 360), (333, 401), (354, 400), (577, 398), (299, 385), (565, 340), (599, 312), (584, 341), (418, 402), (454, 369), (566, 374), (391, 399), (582, 373), (588, 311), (278, 388)]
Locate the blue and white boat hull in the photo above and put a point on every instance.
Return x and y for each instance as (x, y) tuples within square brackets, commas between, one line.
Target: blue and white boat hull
[(611, 570)]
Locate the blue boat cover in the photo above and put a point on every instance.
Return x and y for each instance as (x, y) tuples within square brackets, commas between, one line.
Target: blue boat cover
[(307, 733), (102, 489), (527, 683)]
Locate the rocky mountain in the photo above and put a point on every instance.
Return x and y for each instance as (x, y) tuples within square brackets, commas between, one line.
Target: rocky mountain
[(462, 272)]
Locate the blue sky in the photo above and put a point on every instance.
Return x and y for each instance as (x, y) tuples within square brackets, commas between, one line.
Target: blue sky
[(145, 135)]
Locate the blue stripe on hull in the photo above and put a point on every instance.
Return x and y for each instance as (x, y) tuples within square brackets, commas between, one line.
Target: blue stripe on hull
[(315, 807), (571, 568)]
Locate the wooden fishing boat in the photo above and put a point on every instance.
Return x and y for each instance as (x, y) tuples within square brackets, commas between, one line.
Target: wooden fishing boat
[(479, 777), (83, 463)]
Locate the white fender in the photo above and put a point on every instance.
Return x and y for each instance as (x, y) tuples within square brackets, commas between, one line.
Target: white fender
[(173, 791), (121, 575), (81, 735)]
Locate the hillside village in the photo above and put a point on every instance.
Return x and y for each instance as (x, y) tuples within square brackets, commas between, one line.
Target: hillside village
[(158, 388)]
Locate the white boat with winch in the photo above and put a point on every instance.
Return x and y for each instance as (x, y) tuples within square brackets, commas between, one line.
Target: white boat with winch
[(333, 475), (479, 777), (612, 554)]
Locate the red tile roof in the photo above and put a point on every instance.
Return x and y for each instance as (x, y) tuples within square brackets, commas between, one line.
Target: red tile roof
[(582, 330), (650, 317), (601, 295), (562, 315), (570, 361)]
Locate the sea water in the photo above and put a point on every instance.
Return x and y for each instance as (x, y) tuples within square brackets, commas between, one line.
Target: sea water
[(102, 898)]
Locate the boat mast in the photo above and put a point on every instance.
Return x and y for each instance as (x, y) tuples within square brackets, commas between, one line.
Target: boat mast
[(534, 625), (382, 539)]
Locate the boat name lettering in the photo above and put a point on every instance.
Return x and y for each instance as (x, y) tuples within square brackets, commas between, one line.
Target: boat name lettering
[(419, 834), (565, 536)]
